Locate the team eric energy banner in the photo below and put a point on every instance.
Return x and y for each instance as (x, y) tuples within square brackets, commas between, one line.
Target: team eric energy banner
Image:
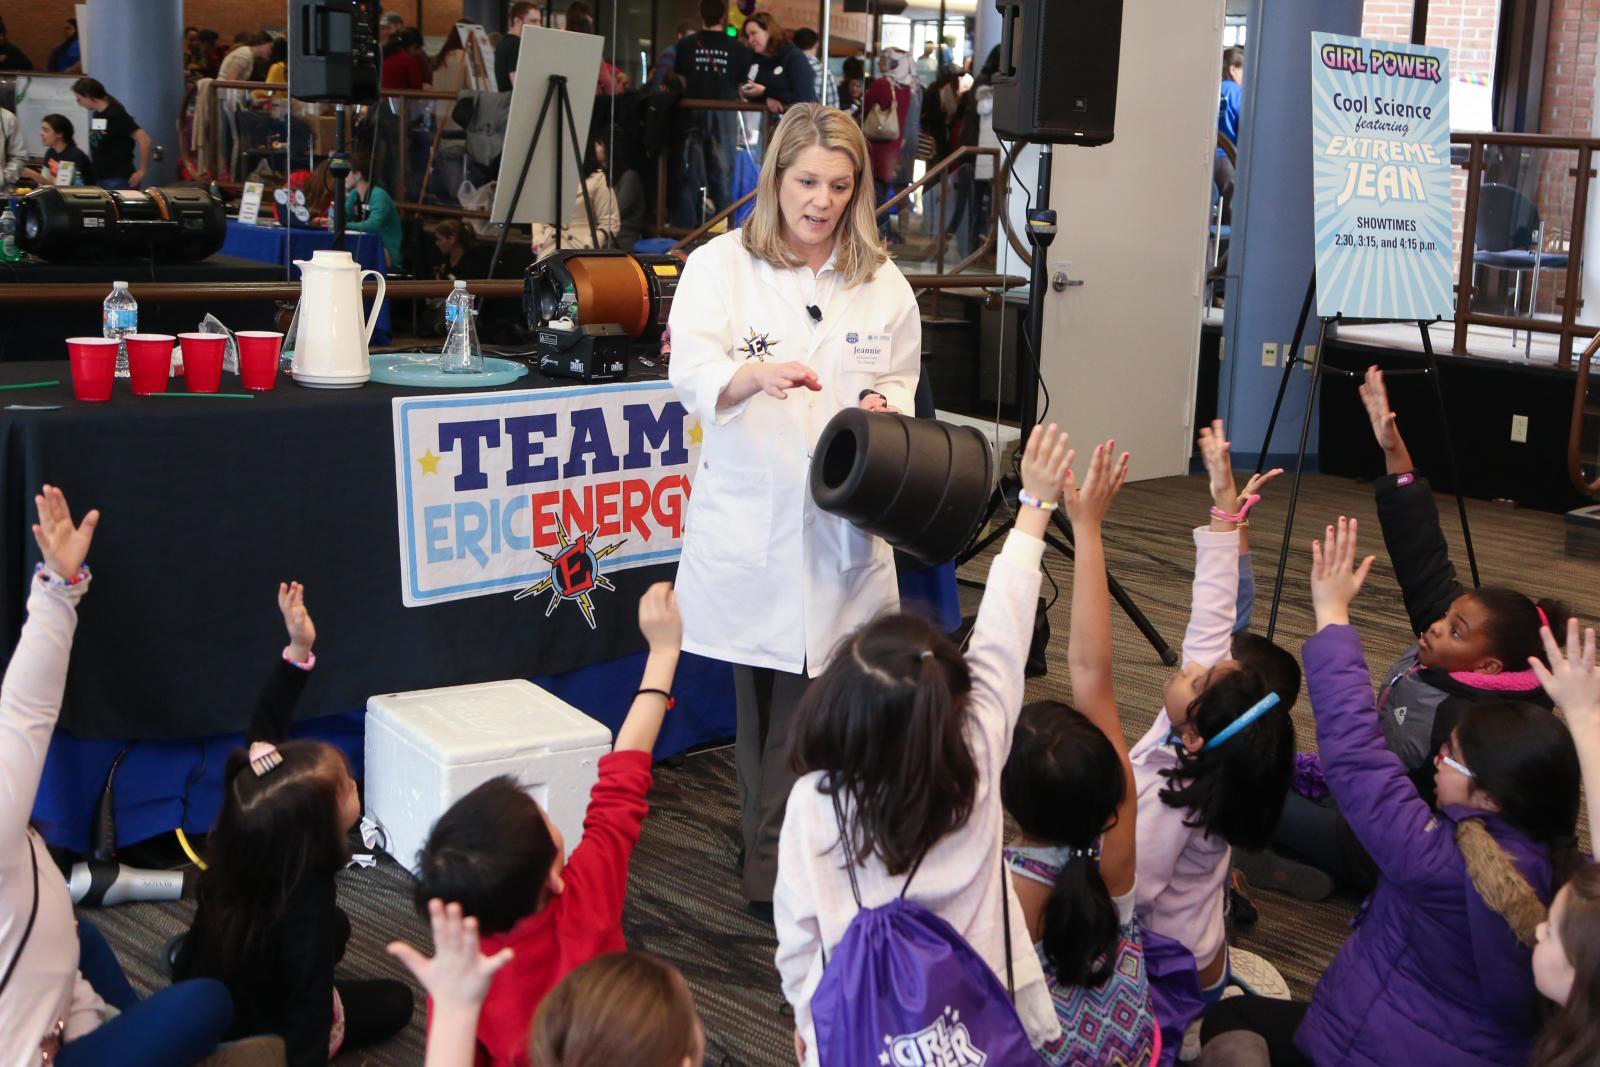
[(541, 494), (1380, 144)]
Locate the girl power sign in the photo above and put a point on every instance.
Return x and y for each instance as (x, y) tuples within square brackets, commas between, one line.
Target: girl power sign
[(540, 494), (1380, 145)]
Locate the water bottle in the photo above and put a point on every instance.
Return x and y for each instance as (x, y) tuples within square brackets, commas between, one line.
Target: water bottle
[(461, 354), (8, 235), (119, 318)]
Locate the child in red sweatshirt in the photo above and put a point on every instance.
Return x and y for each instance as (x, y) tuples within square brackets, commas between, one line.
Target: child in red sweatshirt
[(498, 856)]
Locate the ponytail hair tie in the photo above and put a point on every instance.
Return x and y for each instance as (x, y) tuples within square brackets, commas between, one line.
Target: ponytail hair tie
[(926, 653), (264, 757), (1544, 620), (1090, 853), (1258, 709)]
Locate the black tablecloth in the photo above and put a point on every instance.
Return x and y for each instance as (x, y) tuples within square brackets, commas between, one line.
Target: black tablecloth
[(36, 332), (207, 505)]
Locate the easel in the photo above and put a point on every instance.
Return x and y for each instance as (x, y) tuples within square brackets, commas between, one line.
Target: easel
[(555, 91), (1041, 232), (1317, 363)]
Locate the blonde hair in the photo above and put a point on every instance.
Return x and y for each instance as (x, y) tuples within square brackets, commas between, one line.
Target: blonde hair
[(621, 1008), (858, 249)]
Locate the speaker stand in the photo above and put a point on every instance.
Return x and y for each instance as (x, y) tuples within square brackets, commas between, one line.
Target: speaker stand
[(1041, 232)]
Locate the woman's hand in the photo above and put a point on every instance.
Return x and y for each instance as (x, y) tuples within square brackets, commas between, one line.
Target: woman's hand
[(1572, 680), (872, 401), (775, 106), (1385, 428), (659, 620), (1335, 579), (751, 91), (776, 378), (62, 546), (458, 974), (296, 620), (1087, 506)]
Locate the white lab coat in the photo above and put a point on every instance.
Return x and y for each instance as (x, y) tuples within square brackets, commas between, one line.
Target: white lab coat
[(766, 578)]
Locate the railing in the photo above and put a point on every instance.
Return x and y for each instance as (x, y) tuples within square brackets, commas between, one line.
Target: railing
[(1566, 327)]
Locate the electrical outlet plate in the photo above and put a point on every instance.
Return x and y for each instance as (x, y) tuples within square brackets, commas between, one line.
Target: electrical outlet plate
[(1308, 355), (1269, 353), (1519, 429)]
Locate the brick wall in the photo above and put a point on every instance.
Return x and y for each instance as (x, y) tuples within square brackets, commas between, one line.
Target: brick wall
[(1567, 107)]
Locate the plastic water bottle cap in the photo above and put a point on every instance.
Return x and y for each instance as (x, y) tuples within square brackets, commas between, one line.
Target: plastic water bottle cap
[(122, 285), (461, 284)]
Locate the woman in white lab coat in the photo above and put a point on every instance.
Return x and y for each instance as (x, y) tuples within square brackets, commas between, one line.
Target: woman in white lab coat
[(775, 328)]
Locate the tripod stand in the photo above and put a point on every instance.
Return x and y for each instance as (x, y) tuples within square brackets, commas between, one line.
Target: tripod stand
[(1041, 232), (1318, 365), (556, 92)]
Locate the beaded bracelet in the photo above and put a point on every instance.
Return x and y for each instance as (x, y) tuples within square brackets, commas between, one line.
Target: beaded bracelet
[(52, 578), (1025, 497)]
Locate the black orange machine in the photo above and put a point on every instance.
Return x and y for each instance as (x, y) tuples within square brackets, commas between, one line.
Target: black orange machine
[(590, 310)]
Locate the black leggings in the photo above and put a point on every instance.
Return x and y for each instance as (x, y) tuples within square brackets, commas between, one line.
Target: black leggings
[(374, 1008), (1274, 1020)]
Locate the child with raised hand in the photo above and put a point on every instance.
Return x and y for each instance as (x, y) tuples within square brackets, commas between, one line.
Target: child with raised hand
[(1069, 787), (902, 739), (267, 924), (1439, 968), (60, 982), (1212, 771), (1473, 645), (496, 856), (1566, 957)]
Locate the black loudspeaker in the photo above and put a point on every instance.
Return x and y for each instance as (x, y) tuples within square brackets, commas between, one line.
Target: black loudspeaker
[(876, 7), (1057, 82), (333, 50), (920, 484)]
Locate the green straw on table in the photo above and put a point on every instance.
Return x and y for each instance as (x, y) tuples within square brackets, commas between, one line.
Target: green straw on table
[(236, 396), (32, 385)]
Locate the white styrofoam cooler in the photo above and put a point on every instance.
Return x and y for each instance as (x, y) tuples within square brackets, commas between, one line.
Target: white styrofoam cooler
[(428, 748)]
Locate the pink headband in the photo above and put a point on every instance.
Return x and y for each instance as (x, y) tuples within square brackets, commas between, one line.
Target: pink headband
[(264, 756)]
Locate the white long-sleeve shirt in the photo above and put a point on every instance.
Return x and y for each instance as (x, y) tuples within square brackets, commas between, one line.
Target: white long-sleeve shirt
[(960, 878), (46, 986), (13, 150), (1181, 869)]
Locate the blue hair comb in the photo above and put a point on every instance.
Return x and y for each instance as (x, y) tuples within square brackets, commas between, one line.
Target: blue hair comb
[(1258, 709)]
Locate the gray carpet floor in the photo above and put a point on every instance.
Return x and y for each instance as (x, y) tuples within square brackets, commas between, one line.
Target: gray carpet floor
[(683, 899)]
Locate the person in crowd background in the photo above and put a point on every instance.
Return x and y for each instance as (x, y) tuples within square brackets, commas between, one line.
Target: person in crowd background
[(389, 26), (113, 136), (449, 75), (370, 209), (1070, 789), (712, 66), (611, 80), (852, 86), (496, 856), (1228, 109), (405, 66), (55, 133), (67, 57), (519, 16), (66, 1000), (667, 61), (267, 924), (807, 41), (11, 57), (783, 74), (891, 94), (607, 218), (927, 63), (13, 150)]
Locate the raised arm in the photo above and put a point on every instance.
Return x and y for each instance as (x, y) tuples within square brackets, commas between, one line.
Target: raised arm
[(1215, 592), (663, 631), (1368, 781), (457, 979), (1574, 684), (36, 678), (287, 678), (1409, 517), (1089, 648)]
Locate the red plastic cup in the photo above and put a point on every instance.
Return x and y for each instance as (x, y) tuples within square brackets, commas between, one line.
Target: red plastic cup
[(149, 361), (202, 360), (94, 367), (258, 358)]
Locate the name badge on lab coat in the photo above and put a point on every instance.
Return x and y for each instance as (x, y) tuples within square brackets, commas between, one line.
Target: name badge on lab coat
[(97, 124), (866, 353)]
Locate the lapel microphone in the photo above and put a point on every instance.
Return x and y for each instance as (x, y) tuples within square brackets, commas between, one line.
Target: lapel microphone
[(815, 312)]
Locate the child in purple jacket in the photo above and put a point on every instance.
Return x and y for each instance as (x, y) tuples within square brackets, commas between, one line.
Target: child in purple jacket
[(1438, 970)]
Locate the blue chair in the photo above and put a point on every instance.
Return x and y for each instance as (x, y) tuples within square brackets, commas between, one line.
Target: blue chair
[(1510, 236)]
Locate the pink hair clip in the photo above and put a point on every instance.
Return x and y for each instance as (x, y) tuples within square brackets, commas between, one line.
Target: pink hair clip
[(264, 756)]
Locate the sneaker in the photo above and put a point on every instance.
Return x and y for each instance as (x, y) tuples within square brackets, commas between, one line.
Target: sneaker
[(1271, 870), (167, 957), (1255, 975)]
